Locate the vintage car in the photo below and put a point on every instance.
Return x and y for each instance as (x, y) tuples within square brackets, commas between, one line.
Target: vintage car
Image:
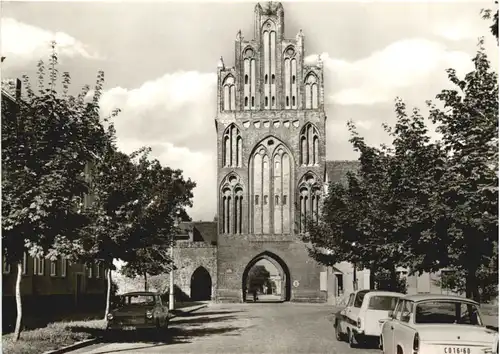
[(364, 314), (138, 310), (441, 324)]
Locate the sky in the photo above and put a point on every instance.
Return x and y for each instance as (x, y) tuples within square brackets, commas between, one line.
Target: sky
[(160, 60)]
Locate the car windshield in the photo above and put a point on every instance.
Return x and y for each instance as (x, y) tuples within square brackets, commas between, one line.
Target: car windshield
[(447, 312), (139, 300), (383, 302)]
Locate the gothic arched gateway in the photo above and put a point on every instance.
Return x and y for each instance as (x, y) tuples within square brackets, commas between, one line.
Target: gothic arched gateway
[(201, 285), (279, 264)]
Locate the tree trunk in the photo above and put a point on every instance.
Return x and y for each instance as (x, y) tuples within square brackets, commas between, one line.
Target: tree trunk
[(145, 281), (373, 272), (108, 294), (471, 285), (17, 330), (393, 280), (354, 278)]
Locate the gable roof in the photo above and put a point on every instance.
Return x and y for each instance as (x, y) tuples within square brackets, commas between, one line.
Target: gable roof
[(336, 170)]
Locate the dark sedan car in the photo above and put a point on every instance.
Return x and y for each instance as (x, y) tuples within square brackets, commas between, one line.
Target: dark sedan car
[(138, 310)]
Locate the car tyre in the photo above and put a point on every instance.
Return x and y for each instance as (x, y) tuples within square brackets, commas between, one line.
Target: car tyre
[(338, 332)]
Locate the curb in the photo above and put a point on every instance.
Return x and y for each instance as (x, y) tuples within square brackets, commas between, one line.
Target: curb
[(77, 345), (89, 342)]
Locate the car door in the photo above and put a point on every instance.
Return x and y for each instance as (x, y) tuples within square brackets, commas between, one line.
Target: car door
[(343, 313), (353, 314), (403, 332), (388, 329)]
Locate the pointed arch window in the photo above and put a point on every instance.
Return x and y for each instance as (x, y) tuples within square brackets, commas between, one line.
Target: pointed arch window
[(229, 90), (249, 77), (309, 197), (269, 62), (231, 205), (309, 145), (290, 86), (311, 92), (232, 148), (270, 186)]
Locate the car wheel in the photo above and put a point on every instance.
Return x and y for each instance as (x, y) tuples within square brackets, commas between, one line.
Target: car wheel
[(353, 342), (338, 332)]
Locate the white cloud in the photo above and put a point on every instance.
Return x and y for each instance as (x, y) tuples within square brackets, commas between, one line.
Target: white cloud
[(385, 74), (26, 42), (174, 115)]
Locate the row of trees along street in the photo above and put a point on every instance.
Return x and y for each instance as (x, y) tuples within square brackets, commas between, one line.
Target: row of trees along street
[(67, 191), (421, 204)]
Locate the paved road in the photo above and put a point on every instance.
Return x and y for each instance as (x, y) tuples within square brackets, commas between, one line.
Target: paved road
[(242, 328)]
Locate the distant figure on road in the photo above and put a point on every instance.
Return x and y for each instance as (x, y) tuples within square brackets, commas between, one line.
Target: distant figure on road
[(255, 298)]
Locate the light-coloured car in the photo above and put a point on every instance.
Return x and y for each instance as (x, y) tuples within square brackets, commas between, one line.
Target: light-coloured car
[(138, 310), (437, 324), (364, 314)]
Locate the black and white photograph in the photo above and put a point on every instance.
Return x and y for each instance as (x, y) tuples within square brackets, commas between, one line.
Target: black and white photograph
[(250, 177)]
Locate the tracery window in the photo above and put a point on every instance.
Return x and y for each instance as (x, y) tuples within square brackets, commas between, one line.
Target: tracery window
[(270, 177), (269, 62), (229, 89), (309, 195), (231, 205), (232, 147), (309, 145), (249, 91), (311, 91)]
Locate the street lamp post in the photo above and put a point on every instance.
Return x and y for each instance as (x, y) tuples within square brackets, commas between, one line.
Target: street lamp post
[(354, 275), (171, 297)]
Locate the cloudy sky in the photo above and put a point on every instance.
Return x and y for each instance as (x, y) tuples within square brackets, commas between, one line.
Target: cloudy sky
[(160, 60)]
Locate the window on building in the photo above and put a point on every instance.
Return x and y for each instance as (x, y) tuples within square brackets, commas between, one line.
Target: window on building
[(253, 101), (284, 199), (38, 266), (246, 101), (293, 79), (267, 101), (53, 268), (246, 79), (98, 270), (265, 79), (287, 101), (64, 266), (256, 200), (272, 78), (273, 100), (276, 199), (265, 200)]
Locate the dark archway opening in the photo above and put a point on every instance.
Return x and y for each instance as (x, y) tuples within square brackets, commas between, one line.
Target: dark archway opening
[(268, 277), (201, 285)]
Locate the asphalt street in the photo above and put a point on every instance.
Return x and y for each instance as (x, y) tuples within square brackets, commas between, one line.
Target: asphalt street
[(240, 328)]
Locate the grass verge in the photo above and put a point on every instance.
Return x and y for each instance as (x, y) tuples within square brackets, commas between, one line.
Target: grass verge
[(56, 335)]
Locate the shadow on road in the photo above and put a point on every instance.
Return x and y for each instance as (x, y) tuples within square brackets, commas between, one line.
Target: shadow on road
[(182, 329)]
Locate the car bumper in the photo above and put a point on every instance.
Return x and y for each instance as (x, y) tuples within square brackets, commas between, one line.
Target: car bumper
[(130, 326)]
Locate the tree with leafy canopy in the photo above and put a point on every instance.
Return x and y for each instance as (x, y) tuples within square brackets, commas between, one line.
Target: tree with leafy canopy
[(48, 137), (487, 15), (134, 212), (467, 196), (438, 206), (257, 277)]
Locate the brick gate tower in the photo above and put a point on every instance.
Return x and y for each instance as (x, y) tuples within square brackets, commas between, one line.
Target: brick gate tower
[(271, 159)]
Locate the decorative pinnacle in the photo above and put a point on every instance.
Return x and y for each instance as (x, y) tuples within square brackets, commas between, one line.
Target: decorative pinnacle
[(239, 37), (221, 63)]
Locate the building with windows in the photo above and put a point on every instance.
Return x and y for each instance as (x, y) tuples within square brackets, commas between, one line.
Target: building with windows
[(58, 285)]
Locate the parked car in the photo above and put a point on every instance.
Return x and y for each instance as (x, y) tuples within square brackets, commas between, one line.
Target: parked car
[(442, 324), (138, 310), (364, 314)]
